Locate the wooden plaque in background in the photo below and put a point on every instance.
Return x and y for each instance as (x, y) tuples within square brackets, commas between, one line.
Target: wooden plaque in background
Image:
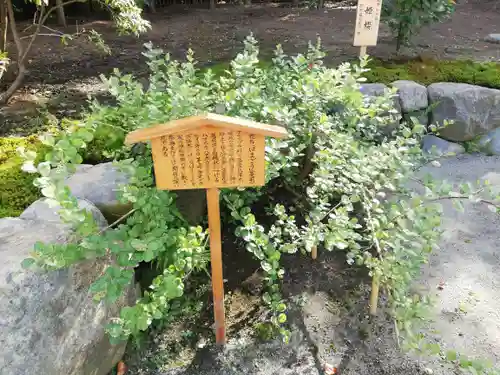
[(208, 157), (367, 22)]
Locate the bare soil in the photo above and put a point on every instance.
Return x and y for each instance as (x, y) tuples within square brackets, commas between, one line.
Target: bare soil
[(217, 36), (66, 74)]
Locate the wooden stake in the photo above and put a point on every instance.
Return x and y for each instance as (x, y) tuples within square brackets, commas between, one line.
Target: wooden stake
[(374, 296), (362, 51), (314, 252), (216, 260)]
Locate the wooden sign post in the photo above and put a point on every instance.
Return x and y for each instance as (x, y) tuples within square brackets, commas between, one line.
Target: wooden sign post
[(367, 24), (209, 152), (366, 34)]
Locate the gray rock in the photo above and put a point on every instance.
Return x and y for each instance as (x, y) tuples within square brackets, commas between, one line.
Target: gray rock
[(412, 95), (421, 117), (493, 38), (48, 321), (99, 184), (438, 146), (490, 143), (373, 89), (474, 110), (40, 210), (379, 89)]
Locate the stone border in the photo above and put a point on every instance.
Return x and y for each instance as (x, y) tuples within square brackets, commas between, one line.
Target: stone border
[(473, 110)]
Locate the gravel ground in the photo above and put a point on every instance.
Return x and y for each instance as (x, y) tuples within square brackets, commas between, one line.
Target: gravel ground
[(467, 265), (328, 320)]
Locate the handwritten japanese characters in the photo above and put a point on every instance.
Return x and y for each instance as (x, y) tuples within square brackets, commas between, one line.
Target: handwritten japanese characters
[(367, 22), (209, 157)]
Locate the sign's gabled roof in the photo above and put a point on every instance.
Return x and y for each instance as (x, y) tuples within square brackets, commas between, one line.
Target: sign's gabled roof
[(209, 119)]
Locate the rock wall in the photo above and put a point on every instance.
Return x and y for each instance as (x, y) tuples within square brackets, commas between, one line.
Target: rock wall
[(473, 113)]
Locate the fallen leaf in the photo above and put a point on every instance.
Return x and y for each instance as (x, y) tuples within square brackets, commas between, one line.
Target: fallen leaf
[(121, 369), (330, 370)]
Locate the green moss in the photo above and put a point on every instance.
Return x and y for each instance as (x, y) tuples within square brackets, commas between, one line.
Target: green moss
[(424, 71), (16, 187), (485, 74)]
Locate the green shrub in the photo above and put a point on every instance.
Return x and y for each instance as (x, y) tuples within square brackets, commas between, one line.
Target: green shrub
[(16, 187), (406, 17)]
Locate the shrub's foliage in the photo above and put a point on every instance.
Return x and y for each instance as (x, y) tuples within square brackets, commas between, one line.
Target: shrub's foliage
[(347, 162), (406, 17)]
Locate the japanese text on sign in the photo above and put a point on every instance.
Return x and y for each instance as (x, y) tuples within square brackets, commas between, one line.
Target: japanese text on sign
[(367, 22), (209, 157)]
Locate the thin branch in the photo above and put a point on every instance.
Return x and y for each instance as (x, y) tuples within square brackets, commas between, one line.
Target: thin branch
[(35, 34), (330, 211), (53, 30), (13, 28), (29, 36), (396, 330), (117, 221), (297, 195), (480, 200), (59, 6)]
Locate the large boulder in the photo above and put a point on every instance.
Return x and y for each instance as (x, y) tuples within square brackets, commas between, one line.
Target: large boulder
[(412, 96), (378, 89), (474, 110), (42, 211), (372, 90), (490, 143), (99, 184), (440, 147), (48, 321)]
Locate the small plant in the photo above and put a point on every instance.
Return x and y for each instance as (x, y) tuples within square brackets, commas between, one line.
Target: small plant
[(406, 17)]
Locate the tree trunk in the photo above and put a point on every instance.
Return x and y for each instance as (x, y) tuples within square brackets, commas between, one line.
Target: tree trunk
[(212, 4), (321, 4), (61, 17), (21, 68), (4, 24), (152, 6)]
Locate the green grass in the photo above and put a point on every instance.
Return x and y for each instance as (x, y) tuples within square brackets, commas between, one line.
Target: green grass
[(426, 71)]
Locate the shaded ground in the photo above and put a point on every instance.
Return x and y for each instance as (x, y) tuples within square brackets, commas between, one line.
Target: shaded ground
[(468, 264), (217, 36), (60, 76)]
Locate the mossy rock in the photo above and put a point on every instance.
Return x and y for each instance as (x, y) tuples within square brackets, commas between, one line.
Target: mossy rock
[(16, 187)]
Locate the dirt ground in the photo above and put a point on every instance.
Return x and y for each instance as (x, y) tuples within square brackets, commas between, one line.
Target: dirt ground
[(60, 77), (217, 35)]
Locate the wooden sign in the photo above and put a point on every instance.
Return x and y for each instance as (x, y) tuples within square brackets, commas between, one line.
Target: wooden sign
[(209, 157), (209, 152), (367, 23)]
